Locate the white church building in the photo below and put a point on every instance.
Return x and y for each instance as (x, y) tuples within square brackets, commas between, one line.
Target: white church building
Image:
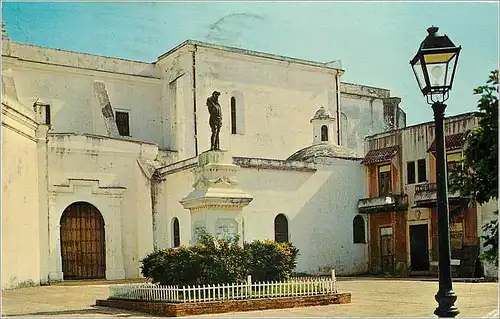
[(102, 158)]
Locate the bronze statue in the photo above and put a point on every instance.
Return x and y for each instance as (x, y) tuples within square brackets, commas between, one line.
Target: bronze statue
[(215, 119)]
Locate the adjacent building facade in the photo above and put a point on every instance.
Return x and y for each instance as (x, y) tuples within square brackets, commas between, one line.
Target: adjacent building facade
[(400, 201)]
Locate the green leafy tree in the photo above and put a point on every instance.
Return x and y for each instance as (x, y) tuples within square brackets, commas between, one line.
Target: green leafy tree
[(477, 178)]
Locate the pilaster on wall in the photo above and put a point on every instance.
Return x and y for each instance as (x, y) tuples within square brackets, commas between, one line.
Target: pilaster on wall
[(113, 232), (55, 262), (43, 200)]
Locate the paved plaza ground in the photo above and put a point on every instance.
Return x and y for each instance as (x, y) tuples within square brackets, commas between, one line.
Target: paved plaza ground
[(371, 297)]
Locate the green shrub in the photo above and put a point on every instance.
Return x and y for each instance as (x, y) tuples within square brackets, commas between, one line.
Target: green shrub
[(175, 266), (271, 261), (218, 261), (222, 260)]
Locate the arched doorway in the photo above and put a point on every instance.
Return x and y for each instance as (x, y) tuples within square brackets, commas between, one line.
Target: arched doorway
[(82, 242)]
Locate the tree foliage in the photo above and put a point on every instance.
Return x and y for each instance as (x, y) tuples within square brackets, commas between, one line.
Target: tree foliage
[(477, 178)]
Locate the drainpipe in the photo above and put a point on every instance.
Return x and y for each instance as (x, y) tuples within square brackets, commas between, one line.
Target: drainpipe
[(337, 97), (194, 101), (154, 188)]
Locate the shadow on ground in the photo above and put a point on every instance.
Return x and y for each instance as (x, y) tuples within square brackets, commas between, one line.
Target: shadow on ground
[(95, 311)]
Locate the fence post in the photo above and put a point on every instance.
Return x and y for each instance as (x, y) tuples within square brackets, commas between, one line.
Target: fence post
[(249, 286), (334, 280)]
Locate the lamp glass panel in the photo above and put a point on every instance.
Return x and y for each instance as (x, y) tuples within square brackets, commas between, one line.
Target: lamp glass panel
[(449, 71), (437, 72), (419, 74), (438, 57)]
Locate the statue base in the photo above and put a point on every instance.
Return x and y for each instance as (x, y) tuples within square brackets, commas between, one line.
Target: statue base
[(216, 203)]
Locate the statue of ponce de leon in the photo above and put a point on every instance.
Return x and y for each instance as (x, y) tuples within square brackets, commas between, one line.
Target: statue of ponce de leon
[(215, 119)]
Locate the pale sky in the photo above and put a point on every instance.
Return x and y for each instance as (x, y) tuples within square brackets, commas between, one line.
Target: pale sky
[(374, 40)]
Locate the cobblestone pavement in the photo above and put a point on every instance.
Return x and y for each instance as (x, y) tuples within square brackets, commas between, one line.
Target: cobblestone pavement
[(370, 298)]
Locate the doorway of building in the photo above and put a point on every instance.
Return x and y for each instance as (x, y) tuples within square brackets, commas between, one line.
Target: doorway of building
[(82, 242), (386, 250), (419, 247)]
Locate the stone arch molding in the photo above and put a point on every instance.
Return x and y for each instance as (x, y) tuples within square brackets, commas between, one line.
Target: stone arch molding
[(107, 199)]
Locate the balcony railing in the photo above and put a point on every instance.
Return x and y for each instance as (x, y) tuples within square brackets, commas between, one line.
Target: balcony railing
[(383, 203), (427, 187), (426, 195)]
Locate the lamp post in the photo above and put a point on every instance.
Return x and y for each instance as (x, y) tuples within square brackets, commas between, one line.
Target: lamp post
[(434, 66)]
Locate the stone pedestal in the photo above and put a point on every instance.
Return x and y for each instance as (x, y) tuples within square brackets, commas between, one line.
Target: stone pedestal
[(216, 203)]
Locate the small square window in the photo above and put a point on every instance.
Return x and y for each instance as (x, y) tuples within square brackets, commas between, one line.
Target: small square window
[(122, 122)]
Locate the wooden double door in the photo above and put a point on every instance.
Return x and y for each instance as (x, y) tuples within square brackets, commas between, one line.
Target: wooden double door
[(83, 246)]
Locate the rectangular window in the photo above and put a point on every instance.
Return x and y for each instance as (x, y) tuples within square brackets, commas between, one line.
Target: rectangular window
[(47, 114), (122, 122), (422, 173), (452, 160), (233, 115), (384, 180), (410, 169)]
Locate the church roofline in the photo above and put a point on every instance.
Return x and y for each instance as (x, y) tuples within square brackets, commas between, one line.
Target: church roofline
[(251, 53), (97, 136)]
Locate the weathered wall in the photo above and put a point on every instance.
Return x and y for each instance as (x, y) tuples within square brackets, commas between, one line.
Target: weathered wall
[(118, 188), (362, 114), (65, 81), (176, 186), (320, 225), (303, 196), (20, 217), (279, 99)]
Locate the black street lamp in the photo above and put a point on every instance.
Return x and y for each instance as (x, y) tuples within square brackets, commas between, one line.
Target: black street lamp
[(434, 66)]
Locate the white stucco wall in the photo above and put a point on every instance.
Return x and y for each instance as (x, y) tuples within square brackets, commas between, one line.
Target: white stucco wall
[(279, 100), (175, 187), (20, 216), (320, 206), (65, 81), (361, 116), (118, 188)]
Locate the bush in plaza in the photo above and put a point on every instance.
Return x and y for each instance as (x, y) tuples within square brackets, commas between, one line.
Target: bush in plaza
[(219, 261), (271, 261), (175, 266)]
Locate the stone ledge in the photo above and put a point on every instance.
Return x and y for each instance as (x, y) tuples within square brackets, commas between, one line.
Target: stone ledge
[(212, 307)]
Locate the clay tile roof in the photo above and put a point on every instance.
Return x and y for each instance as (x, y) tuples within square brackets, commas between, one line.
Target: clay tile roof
[(452, 142), (380, 155)]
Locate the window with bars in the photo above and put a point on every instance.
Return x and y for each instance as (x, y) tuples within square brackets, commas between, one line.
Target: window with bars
[(122, 122), (176, 232), (281, 229), (384, 180)]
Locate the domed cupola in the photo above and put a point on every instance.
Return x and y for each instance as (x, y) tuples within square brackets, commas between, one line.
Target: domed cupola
[(323, 126), (323, 145)]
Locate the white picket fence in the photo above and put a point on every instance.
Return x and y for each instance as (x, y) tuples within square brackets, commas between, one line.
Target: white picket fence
[(308, 286)]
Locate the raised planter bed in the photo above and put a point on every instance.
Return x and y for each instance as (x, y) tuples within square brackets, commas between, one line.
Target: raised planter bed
[(212, 307)]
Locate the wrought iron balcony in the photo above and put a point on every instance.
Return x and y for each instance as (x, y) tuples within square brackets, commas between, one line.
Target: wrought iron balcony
[(426, 195), (387, 203)]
